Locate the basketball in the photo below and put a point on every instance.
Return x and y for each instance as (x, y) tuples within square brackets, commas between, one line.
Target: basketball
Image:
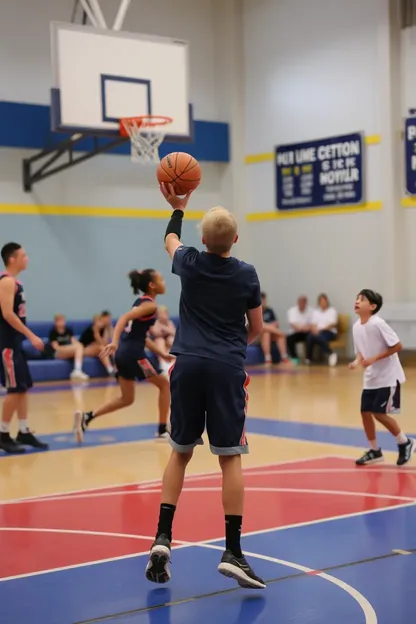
[(181, 170)]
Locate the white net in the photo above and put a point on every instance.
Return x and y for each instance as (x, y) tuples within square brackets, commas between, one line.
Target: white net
[(146, 134)]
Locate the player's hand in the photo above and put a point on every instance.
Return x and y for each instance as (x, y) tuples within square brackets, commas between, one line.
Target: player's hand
[(108, 350), (368, 362), (37, 342), (353, 365), (168, 357), (177, 203)]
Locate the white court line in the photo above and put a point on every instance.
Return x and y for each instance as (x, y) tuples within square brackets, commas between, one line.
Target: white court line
[(247, 489), (362, 601), (181, 544), (357, 471), (196, 476)]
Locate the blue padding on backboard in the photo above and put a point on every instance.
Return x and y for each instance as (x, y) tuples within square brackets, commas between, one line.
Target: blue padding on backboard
[(28, 126)]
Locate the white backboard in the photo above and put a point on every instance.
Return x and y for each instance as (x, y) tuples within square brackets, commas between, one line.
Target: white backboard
[(101, 75)]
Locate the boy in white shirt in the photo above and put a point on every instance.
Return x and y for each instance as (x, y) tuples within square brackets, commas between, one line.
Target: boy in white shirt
[(377, 346)]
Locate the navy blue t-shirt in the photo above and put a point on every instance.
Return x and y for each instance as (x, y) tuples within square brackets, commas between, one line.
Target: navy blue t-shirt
[(216, 295)]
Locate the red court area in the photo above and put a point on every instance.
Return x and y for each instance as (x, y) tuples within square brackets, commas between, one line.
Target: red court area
[(91, 526)]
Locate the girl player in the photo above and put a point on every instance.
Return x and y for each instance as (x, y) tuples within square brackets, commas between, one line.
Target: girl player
[(128, 345)]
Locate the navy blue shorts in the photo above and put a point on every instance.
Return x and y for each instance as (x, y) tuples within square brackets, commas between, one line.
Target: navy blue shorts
[(211, 394), (381, 400), (130, 368), (14, 372)]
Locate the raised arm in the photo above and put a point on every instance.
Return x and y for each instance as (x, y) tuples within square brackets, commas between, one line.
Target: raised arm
[(174, 229)]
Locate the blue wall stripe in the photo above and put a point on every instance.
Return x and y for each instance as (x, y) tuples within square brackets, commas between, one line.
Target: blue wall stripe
[(29, 126)]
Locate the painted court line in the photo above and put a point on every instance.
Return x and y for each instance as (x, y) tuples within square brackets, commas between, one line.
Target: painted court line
[(197, 476), (369, 613), (179, 544)]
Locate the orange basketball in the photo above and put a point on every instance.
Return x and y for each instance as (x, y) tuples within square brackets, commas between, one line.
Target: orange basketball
[(181, 170)]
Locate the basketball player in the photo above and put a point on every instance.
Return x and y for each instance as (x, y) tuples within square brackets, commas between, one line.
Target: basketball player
[(14, 371), (128, 344), (208, 381), (377, 346)]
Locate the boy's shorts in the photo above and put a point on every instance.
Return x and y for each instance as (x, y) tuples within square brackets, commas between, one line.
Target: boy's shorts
[(14, 371), (205, 392), (381, 400)]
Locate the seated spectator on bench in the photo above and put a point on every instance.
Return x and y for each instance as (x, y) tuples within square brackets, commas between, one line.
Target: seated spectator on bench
[(163, 334), (271, 333), (300, 321), (324, 329), (97, 336), (63, 345)]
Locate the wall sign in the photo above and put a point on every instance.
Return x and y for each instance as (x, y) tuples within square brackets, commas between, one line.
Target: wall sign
[(410, 155), (320, 173)]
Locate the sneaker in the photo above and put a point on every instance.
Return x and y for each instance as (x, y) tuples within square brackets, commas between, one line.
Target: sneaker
[(370, 457), (333, 359), (28, 439), (162, 436), (158, 570), (406, 451), (79, 374), (8, 445), (80, 424), (239, 570)]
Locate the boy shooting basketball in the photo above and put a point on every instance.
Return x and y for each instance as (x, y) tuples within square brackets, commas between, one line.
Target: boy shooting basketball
[(208, 381), (377, 347)]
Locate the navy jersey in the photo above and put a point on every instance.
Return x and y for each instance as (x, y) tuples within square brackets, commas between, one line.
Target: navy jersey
[(133, 338), (10, 338), (216, 294)]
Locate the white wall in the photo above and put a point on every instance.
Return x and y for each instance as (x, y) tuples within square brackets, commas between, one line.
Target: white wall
[(313, 70)]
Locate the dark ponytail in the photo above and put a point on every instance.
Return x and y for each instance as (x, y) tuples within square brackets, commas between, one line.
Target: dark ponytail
[(140, 280)]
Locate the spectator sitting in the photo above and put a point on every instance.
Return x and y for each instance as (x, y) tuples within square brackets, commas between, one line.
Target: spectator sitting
[(300, 320), (97, 336), (64, 346), (163, 333), (271, 333), (324, 329)]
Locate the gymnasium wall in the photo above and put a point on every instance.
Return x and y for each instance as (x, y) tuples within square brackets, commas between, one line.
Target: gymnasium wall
[(78, 263), (314, 69)]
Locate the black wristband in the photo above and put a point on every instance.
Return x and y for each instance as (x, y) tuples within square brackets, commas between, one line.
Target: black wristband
[(175, 224)]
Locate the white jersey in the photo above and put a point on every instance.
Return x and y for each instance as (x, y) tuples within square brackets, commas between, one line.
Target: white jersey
[(371, 339)]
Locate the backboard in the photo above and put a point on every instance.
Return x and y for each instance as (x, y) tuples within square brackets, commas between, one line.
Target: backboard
[(101, 75)]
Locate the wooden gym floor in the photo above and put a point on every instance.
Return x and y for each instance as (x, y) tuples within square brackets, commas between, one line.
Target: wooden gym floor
[(76, 522)]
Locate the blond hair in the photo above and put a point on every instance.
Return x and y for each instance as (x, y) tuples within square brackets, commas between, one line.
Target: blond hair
[(219, 229)]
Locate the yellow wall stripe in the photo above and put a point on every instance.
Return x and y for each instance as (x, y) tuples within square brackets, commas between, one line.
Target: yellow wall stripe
[(319, 212), (408, 202), (251, 159), (95, 211)]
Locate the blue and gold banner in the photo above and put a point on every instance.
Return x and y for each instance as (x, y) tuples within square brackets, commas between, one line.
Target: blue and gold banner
[(410, 155), (320, 173)]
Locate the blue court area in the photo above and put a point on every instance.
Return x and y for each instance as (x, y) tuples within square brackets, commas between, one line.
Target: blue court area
[(344, 570)]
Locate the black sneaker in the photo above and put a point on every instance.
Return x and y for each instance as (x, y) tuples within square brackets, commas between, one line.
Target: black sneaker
[(406, 451), (28, 439), (81, 422), (370, 457), (238, 569), (157, 570), (8, 445)]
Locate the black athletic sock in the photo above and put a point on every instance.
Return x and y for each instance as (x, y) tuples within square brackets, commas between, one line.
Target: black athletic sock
[(233, 534), (166, 520), (162, 429)]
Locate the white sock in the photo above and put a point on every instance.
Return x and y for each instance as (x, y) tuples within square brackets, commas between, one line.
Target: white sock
[(78, 365), (110, 370), (4, 427), (401, 438), (23, 426), (374, 445)]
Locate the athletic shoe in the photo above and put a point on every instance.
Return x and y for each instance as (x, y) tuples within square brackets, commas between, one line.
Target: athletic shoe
[(239, 570), (370, 457), (406, 451), (333, 359), (28, 439), (79, 374), (8, 445), (158, 570)]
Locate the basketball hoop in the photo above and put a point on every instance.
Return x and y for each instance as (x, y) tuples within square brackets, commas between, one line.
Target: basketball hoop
[(146, 133)]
